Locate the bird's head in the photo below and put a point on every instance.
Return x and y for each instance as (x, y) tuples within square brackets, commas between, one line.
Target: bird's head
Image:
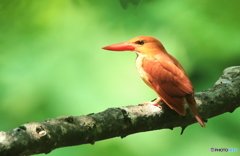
[(144, 45)]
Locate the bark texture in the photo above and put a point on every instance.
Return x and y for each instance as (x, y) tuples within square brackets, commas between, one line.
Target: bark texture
[(43, 137)]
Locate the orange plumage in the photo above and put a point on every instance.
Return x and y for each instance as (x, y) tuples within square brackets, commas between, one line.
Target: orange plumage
[(161, 72)]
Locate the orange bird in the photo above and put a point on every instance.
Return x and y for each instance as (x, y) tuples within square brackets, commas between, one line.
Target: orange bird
[(161, 72)]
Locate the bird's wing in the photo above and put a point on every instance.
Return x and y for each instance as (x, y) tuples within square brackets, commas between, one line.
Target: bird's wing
[(169, 80)]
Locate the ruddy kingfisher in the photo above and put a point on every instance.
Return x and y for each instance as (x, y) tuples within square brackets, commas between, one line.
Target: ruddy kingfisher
[(161, 72)]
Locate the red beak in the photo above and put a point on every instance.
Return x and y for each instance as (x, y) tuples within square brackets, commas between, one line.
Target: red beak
[(124, 46)]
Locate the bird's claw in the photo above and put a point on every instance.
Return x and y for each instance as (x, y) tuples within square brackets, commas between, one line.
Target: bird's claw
[(154, 102)]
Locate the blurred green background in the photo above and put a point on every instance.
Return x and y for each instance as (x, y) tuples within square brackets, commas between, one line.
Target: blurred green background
[(52, 64)]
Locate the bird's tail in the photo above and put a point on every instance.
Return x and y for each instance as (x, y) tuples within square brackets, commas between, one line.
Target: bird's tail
[(192, 105)]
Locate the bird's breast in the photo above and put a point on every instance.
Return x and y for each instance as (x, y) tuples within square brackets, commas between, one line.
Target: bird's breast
[(139, 63), (141, 71)]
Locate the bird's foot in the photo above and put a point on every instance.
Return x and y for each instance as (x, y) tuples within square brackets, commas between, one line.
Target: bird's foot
[(154, 102)]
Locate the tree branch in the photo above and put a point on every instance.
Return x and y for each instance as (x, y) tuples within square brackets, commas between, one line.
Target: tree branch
[(43, 137)]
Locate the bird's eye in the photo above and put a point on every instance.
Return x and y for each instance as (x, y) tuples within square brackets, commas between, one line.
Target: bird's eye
[(141, 42)]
